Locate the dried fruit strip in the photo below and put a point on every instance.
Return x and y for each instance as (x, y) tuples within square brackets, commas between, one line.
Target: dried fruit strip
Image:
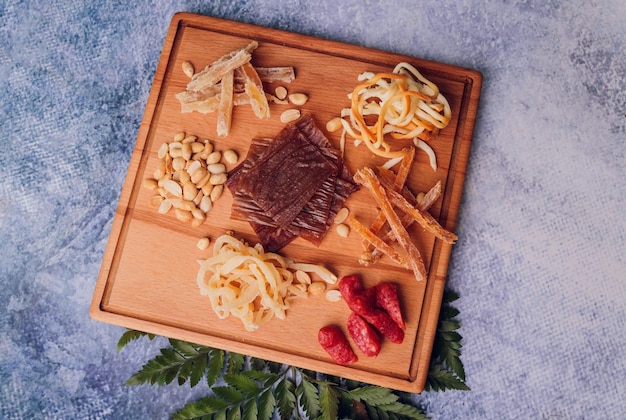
[(367, 178), (214, 72), (377, 242), (425, 219), (398, 185)]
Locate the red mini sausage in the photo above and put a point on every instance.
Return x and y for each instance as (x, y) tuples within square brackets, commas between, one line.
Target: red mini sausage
[(350, 286), (385, 325), (333, 340), (357, 298), (387, 299), (364, 336)]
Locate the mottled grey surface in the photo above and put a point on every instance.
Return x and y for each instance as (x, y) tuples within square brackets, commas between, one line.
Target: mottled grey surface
[(540, 264)]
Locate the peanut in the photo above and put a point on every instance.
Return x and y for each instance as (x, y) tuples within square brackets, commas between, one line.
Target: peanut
[(342, 215), (203, 243), (317, 287), (281, 92), (230, 156), (343, 230), (333, 295), (298, 99), (188, 69), (333, 125), (189, 177), (289, 115)]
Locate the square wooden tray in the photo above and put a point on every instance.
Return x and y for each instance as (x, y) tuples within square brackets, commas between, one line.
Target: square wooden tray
[(148, 275)]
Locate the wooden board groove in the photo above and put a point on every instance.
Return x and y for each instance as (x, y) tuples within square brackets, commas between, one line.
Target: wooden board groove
[(147, 279)]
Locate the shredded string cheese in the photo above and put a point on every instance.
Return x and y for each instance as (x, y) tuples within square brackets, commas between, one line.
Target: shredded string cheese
[(403, 104), (250, 284)]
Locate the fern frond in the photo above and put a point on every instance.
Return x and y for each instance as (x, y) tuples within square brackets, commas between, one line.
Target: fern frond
[(308, 397), (329, 402), (285, 398), (441, 379), (215, 366), (131, 335), (266, 404), (204, 407)]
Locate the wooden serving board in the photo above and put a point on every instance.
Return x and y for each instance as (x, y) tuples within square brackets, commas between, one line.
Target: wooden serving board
[(147, 280)]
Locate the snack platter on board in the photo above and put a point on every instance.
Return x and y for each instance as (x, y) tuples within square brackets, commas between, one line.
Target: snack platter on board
[(148, 276)]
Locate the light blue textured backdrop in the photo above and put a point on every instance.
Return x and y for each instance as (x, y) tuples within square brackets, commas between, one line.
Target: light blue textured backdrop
[(540, 263)]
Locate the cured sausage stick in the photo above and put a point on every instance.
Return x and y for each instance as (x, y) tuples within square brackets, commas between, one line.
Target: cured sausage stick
[(333, 340)]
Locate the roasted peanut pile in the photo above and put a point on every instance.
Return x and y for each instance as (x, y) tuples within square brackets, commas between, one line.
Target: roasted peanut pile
[(189, 178)]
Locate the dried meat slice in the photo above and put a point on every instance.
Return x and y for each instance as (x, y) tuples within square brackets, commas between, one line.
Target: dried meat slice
[(282, 183), (278, 208)]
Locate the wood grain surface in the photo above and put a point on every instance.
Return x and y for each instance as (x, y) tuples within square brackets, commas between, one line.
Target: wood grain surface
[(148, 275)]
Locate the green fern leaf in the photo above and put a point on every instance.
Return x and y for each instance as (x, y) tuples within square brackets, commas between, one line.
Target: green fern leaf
[(373, 395), (453, 362), (215, 366), (244, 384), (228, 394), (309, 400), (250, 410), (131, 335), (400, 411), (184, 372), (198, 367), (447, 325), (206, 406), (329, 402), (448, 312), (441, 379), (267, 378), (285, 398), (184, 348), (267, 405), (451, 336), (449, 296), (236, 362), (257, 364), (160, 370), (234, 413)]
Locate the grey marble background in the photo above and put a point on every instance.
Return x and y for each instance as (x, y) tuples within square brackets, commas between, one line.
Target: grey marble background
[(540, 264)]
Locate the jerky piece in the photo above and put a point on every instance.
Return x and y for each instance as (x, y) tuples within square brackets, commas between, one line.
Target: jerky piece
[(283, 182)]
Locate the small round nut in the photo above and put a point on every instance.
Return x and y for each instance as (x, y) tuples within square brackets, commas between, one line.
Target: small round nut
[(342, 215), (216, 168), (155, 201), (281, 92), (214, 157), (163, 150), (333, 125), (188, 69), (183, 215), (203, 243), (289, 115), (317, 287), (298, 98), (165, 206), (333, 295), (150, 184), (343, 230), (218, 179), (216, 192), (230, 156), (303, 277)]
